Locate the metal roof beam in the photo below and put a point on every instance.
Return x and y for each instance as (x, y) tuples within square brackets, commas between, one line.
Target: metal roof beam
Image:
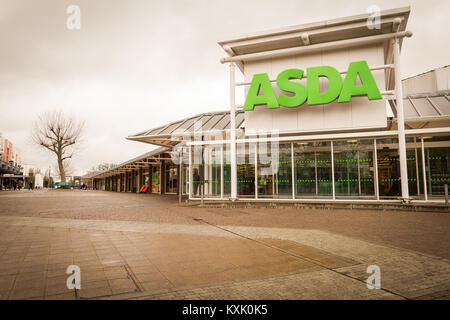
[(316, 47)]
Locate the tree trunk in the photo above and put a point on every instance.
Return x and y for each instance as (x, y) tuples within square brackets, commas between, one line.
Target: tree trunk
[(62, 172)]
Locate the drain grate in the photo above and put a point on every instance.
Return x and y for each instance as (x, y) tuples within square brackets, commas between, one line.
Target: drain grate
[(132, 277), (129, 275)]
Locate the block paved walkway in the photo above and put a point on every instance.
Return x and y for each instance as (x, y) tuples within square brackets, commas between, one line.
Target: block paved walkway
[(139, 260), (141, 251)]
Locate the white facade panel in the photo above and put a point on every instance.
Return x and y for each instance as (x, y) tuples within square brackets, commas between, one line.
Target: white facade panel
[(443, 78), (357, 114), (310, 118), (260, 118), (337, 115), (284, 118)]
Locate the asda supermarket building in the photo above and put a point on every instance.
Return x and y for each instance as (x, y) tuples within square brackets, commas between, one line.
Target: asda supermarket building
[(326, 118)]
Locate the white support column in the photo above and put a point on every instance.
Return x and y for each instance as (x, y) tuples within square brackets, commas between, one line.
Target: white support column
[(190, 172), (256, 167), (417, 168), (292, 170), (424, 172), (180, 178), (359, 174), (332, 170), (221, 172), (233, 133), (375, 165), (315, 173), (400, 121)]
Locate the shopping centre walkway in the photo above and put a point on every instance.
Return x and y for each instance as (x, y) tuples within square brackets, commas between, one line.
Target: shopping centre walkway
[(132, 246)]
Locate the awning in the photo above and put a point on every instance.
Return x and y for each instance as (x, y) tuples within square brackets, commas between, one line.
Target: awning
[(171, 134), (422, 109), (142, 161), (5, 167)]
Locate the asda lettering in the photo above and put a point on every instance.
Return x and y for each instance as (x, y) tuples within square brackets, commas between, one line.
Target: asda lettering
[(338, 89)]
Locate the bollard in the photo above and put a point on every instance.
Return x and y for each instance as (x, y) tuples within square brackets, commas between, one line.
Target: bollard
[(446, 193)]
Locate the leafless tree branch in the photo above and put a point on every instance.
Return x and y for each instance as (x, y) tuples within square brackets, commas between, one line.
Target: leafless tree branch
[(59, 134)]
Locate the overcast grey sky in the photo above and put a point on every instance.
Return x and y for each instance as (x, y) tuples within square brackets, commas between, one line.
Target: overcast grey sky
[(138, 64)]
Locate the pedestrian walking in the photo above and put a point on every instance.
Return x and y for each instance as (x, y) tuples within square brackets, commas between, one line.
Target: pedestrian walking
[(196, 181)]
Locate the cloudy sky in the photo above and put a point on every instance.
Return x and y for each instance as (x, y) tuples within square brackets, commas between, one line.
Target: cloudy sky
[(138, 64)]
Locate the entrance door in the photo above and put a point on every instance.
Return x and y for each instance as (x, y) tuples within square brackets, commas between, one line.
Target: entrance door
[(171, 179), (185, 180), (156, 179), (389, 173)]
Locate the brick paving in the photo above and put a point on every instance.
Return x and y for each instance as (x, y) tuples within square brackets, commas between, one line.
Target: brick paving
[(147, 247), (424, 231)]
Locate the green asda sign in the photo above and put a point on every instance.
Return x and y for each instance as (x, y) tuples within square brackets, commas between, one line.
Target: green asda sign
[(343, 91)]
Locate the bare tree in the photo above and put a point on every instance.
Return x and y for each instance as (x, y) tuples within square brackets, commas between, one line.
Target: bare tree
[(105, 166), (101, 167), (68, 169), (59, 134)]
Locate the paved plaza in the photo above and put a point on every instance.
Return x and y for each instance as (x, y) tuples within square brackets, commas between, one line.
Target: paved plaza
[(131, 246)]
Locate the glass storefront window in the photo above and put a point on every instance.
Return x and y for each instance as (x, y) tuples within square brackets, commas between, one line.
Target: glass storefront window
[(226, 171), (437, 164), (186, 180), (171, 177), (354, 169), (267, 163), (269, 175), (196, 170), (274, 170), (182, 159), (312, 169), (212, 171), (283, 174), (414, 166), (206, 171), (226, 179), (146, 175), (156, 178), (245, 160), (388, 168)]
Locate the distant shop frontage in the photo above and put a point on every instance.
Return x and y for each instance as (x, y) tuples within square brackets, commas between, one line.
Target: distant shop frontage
[(152, 172), (326, 118)]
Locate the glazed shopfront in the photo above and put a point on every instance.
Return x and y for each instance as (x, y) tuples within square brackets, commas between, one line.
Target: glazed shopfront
[(324, 118), (340, 169)]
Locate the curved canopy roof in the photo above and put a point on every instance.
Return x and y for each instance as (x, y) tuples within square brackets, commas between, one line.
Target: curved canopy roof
[(144, 160), (168, 135)]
